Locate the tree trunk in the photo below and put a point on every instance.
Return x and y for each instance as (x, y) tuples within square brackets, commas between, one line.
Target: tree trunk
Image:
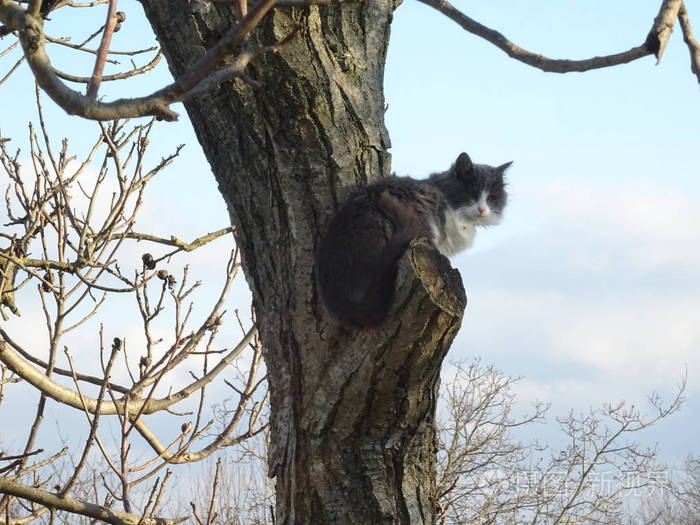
[(353, 435)]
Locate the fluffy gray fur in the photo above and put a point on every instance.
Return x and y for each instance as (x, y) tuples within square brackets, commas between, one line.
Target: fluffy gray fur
[(356, 259)]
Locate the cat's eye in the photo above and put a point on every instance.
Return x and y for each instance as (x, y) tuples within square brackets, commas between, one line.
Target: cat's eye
[(491, 198)]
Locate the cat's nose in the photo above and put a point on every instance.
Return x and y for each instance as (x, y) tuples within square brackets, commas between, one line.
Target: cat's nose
[(482, 210)]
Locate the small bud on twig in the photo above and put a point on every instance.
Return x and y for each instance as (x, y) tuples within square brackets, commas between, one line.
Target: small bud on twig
[(148, 261), (48, 281)]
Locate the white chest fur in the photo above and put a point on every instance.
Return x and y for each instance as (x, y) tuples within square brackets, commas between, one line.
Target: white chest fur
[(457, 234)]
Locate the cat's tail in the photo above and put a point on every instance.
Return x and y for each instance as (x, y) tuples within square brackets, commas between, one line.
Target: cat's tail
[(356, 280), (357, 291)]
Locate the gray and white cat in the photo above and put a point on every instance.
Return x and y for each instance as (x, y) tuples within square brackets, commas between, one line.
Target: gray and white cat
[(356, 259)]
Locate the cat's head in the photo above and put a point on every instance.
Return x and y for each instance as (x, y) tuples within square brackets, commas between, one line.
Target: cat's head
[(481, 192)]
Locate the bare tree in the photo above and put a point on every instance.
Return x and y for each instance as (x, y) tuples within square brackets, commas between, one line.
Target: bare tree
[(485, 475), (678, 503), (245, 492), (480, 464), (70, 226), (301, 122)]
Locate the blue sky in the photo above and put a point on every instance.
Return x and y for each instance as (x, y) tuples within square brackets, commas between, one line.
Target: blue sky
[(590, 288)]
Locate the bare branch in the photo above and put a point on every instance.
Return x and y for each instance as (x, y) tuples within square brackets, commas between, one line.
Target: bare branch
[(110, 24), (81, 47), (55, 501), (9, 48), (35, 7), (32, 38), (663, 27), (486, 476), (654, 44), (690, 41), (12, 70), (26, 454), (71, 3), (71, 398), (174, 241), (117, 76)]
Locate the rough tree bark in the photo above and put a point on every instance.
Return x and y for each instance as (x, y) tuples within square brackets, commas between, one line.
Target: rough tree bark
[(353, 436)]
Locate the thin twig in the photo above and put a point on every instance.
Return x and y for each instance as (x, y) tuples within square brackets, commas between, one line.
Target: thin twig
[(12, 69), (174, 241), (9, 48), (117, 76), (79, 47)]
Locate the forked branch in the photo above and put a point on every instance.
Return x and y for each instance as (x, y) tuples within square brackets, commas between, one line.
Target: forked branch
[(33, 39)]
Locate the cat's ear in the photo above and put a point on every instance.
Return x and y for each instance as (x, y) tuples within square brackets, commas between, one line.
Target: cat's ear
[(464, 166), (500, 170)]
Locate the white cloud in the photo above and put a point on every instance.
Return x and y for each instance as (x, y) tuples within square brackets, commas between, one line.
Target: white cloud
[(604, 288), (656, 224)]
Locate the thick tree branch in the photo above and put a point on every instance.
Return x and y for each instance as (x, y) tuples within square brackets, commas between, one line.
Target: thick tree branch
[(663, 27), (690, 41), (33, 39), (54, 501), (35, 7), (654, 44), (102, 51), (69, 397)]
